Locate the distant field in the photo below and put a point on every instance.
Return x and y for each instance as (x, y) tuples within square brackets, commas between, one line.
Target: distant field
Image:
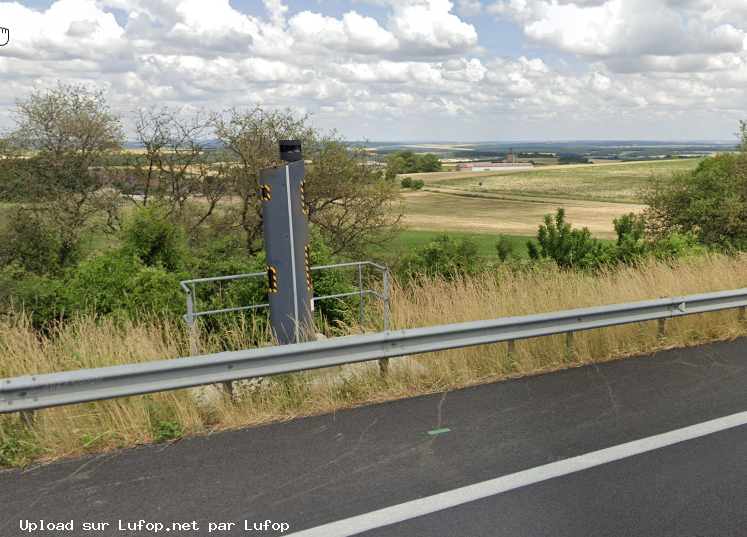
[(617, 182), (434, 212)]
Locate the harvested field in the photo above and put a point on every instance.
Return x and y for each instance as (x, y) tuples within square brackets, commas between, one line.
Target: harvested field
[(432, 211)]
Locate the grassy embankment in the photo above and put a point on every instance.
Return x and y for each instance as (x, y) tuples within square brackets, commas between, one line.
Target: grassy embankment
[(85, 343)]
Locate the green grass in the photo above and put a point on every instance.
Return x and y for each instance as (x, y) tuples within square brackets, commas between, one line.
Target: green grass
[(409, 240), (621, 182)]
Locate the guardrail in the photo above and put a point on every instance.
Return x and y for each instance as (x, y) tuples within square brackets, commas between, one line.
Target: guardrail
[(193, 313), (56, 389)]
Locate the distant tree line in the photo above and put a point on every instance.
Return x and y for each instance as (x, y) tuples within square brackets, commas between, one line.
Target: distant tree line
[(573, 159), (410, 162)]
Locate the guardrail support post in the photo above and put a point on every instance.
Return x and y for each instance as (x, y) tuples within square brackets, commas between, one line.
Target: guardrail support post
[(384, 362), (662, 323), (743, 314), (386, 300), (360, 289), (511, 352), (228, 387), (191, 323), (569, 346)]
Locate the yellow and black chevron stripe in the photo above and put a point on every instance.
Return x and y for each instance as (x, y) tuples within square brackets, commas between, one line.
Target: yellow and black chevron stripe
[(272, 280), (308, 269), (303, 198), (265, 191)]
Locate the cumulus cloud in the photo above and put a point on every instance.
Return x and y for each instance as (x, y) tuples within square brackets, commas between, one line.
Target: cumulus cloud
[(427, 27), (625, 33), (353, 33), (412, 69), (471, 8)]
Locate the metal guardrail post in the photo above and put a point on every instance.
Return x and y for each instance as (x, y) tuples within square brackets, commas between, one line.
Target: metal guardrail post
[(360, 289), (190, 323), (569, 346), (384, 362), (662, 325), (386, 300), (511, 352)]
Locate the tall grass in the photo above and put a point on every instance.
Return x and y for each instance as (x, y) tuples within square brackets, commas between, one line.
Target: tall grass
[(85, 342)]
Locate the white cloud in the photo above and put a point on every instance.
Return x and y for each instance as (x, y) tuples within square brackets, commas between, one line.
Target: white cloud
[(354, 33), (427, 27), (471, 8), (413, 71)]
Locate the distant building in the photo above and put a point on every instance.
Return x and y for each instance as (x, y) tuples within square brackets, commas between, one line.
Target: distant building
[(492, 166), (511, 159)]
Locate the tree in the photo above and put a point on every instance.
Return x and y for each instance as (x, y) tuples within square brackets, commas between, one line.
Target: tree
[(61, 134), (710, 202), (350, 203), (409, 162), (251, 137), (430, 163), (177, 167)]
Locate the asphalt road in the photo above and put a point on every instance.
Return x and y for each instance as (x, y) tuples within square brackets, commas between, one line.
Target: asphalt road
[(316, 471)]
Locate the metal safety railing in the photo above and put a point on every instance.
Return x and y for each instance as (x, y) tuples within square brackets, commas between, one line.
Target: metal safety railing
[(193, 313), (31, 392)]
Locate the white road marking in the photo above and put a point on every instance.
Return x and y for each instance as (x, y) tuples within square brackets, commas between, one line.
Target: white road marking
[(438, 502)]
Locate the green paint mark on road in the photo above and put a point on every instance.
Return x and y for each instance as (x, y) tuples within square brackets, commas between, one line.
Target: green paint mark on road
[(440, 431)]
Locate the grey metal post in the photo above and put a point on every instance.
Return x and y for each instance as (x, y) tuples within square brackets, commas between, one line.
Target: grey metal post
[(662, 323), (194, 349), (286, 227), (360, 290), (384, 362), (190, 324), (569, 346), (510, 353), (386, 300)]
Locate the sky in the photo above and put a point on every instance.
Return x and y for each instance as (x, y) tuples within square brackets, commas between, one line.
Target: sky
[(400, 70)]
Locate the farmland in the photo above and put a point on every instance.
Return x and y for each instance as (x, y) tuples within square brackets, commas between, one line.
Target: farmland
[(618, 182), (437, 212)]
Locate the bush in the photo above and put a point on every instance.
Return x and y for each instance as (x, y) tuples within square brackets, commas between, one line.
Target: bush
[(120, 281), (154, 239), (709, 202), (407, 182), (568, 247), (29, 241), (676, 246), (629, 245), (445, 257), (504, 248)]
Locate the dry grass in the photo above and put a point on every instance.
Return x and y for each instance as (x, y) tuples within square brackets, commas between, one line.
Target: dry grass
[(85, 342), (432, 211)]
